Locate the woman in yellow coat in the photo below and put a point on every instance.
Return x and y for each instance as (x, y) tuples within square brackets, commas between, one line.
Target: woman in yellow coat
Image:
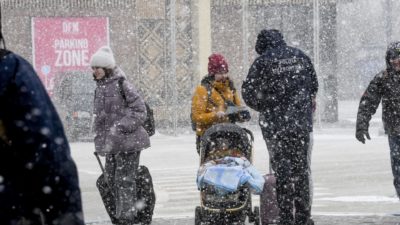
[(212, 97)]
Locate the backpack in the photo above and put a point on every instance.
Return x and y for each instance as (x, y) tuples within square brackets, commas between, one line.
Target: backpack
[(149, 123), (206, 82)]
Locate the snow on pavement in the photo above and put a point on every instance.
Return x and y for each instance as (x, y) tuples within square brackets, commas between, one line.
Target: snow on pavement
[(349, 178)]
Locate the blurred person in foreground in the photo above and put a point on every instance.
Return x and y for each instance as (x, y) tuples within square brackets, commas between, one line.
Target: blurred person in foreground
[(212, 98), (385, 88), (282, 85), (119, 134), (38, 178)]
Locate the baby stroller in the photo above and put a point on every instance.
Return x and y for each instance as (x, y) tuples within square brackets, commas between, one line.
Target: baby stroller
[(234, 207)]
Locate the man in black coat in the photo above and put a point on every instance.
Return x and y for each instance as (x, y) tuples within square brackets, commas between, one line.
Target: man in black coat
[(281, 85), (384, 87), (38, 178)]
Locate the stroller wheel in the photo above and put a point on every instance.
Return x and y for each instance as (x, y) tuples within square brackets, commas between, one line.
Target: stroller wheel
[(256, 215), (197, 216)]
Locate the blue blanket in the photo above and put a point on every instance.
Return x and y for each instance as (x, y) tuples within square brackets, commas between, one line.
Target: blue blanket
[(229, 173)]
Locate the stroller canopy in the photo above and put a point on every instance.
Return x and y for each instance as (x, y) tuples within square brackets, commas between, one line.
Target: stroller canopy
[(234, 136)]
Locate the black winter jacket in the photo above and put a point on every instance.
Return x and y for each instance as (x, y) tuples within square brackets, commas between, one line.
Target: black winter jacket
[(38, 178), (385, 87), (280, 85)]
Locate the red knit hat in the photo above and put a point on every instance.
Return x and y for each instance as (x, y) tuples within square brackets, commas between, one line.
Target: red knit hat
[(217, 64)]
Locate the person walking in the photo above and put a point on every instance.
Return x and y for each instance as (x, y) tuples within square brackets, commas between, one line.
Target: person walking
[(119, 134), (282, 85), (384, 88), (38, 178), (213, 96)]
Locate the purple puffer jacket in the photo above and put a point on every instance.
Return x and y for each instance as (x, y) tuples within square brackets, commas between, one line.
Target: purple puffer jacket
[(118, 123)]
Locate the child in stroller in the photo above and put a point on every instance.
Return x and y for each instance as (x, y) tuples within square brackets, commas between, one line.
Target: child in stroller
[(226, 156)]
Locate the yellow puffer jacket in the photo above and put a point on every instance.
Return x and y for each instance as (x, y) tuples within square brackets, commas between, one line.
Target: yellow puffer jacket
[(204, 112)]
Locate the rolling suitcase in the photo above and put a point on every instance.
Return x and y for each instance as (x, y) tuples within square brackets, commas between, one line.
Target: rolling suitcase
[(145, 195), (268, 201)]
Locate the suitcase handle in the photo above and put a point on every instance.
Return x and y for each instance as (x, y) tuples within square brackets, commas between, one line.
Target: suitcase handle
[(270, 161), (104, 173), (270, 166)]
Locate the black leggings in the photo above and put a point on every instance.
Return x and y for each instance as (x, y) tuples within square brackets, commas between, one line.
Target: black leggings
[(121, 172), (291, 163)]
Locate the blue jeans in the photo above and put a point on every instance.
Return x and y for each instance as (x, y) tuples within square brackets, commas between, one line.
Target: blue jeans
[(394, 144)]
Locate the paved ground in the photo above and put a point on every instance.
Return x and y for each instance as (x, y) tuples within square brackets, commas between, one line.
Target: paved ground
[(319, 220), (352, 181)]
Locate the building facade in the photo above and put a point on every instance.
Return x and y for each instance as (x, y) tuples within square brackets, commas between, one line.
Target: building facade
[(163, 45)]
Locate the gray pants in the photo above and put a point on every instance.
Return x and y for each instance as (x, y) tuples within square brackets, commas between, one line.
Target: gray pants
[(394, 144), (121, 172)]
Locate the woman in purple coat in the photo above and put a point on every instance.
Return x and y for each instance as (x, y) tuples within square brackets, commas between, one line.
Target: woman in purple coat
[(119, 134)]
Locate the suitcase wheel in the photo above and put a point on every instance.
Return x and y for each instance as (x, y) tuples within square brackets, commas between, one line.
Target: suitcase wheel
[(197, 216), (254, 217)]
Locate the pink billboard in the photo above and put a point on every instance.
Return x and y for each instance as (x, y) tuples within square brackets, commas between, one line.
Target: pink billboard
[(62, 44)]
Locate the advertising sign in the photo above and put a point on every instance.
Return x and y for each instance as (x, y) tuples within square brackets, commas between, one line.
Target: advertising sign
[(62, 44)]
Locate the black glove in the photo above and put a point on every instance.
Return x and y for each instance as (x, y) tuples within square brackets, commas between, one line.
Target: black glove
[(360, 135), (241, 116), (233, 117), (244, 115)]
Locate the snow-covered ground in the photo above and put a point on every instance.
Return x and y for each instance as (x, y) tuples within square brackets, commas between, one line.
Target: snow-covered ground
[(349, 178)]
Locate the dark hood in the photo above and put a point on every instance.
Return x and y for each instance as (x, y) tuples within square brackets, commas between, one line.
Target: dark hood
[(267, 39), (393, 51)]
